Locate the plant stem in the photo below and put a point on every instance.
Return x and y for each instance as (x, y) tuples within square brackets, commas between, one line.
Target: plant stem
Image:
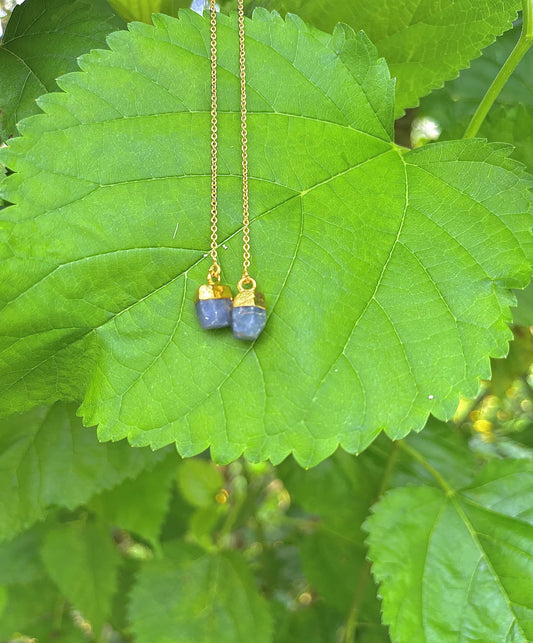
[(416, 455), (353, 617), (352, 621), (522, 47)]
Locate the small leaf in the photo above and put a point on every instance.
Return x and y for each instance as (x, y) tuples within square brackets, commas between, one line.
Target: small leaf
[(199, 482), (338, 490), (387, 271), (29, 610), (48, 458), (191, 596), (458, 567), (333, 565), (42, 41), (19, 558), (316, 623), (83, 561), (445, 448), (419, 40), (139, 505)]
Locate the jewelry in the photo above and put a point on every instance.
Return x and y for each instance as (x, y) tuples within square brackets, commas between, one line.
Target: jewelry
[(214, 305)]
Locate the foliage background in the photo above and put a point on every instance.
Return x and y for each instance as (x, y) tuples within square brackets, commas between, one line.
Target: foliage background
[(102, 541)]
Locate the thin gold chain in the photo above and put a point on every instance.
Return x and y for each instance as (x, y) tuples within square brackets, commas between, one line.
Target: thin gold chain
[(244, 149), (214, 270)]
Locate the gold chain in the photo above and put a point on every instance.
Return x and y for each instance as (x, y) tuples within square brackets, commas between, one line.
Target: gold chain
[(244, 148), (213, 275), (214, 270)]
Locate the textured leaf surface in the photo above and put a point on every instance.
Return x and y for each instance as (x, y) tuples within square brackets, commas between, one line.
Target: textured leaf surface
[(194, 597), (83, 561), (424, 42), (510, 119), (386, 271), (458, 567), (48, 458), (43, 38)]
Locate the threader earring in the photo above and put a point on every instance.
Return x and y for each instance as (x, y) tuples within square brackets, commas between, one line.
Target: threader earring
[(215, 307)]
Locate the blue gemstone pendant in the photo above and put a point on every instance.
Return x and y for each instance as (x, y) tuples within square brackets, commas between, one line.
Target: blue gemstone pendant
[(249, 314), (214, 306)]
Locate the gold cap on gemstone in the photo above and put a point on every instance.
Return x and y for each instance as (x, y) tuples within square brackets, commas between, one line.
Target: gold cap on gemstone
[(213, 291), (249, 298)]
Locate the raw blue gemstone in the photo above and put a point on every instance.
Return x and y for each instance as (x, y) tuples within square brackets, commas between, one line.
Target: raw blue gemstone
[(248, 322), (214, 313)]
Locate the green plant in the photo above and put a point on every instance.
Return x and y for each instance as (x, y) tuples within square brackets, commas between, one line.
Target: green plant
[(388, 272)]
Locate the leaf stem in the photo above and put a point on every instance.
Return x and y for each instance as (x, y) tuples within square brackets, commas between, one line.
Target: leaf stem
[(522, 47), (416, 455), (352, 621)]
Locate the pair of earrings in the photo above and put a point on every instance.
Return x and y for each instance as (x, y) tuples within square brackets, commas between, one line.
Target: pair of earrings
[(245, 313), (215, 305)]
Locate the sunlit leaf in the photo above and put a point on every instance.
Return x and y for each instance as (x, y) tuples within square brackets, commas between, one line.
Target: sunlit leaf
[(458, 565), (424, 42), (386, 271)]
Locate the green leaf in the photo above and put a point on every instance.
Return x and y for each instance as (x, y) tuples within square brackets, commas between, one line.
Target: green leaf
[(143, 9), (445, 447), (313, 624), (335, 567), (386, 270), (191, 596), (510, 118), (19, 558), (29, 610), (457, 566), (139, 505), (199, 482), (424, 42), (42, 41), (83, 561), (48, 458), (338, 491), (523, 313)]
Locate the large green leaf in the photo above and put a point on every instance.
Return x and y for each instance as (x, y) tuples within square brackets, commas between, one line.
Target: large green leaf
[(194, 597), (510, 119), (458, 565), (48, 458), (43, 39), (82, 559), (424, 42), (386, 271)]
